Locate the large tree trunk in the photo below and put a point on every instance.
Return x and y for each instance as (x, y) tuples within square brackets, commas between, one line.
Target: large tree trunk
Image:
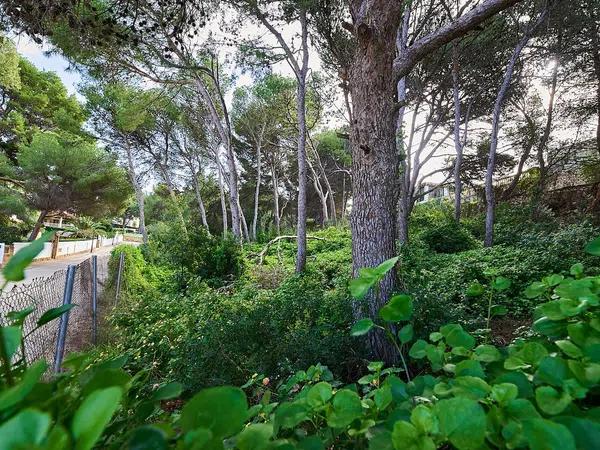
[(302, 176), (38, 225), (374, 158), (595, 50), (491, 166), (257, 190)]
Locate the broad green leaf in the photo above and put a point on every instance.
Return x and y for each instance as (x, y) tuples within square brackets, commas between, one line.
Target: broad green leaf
[(360, 286), (399, 307), (552, 370), (147, 437), (549, 327), (347, 407), (504, 392), (475, 290), (551, 401), (418, 349), (577, 270), (14, 270), (457, 337), (54, 313), (462, 421), (13, 395), (487, 353), (105, 378), (501, 284), (25, 430), (569, 348), (362, 327), (585, 432), (436, 336), (386, 266), (593, 248), (535, 289), (375, 366), (222, 410), (406, 334), (311, 443), (471, 387), (289, 415), (93, 415), (498, 310), (12, 339), (168, 391), (469, 368), (255, 437), (542, 434), (319, 394), (405, 436), (383, 397)]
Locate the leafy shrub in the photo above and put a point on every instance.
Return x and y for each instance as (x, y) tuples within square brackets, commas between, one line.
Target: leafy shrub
[(195, 253), (10, 232)]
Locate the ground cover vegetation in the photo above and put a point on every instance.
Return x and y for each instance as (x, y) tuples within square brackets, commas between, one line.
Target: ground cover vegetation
[(393, 244)]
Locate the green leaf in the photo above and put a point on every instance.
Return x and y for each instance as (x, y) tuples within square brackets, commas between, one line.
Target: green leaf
[(400, 307), (418, 349), (551, 401), (222, 410), (360, 286), (424, 420), (18, 317), (362, 327), (471, 387), (288, 415), (498, 310), (457, 337), (462, 421), (12, 339), (469, 368), (542, 434), (436, 336), (386, 266), (14, 270), (577, 270), (487, 353), (585, 432), (383, 397), (255, 437), (501, 284), (105, 378), (535, 289), (549, 327), (406, 334), (168, 391), (346, 408), (475, 290), (25, 430), (54, 313), (552, 370), (13, 395), (569, 348), (504, 392), (319, 394), (405, 436), (147, 437), (93, 415), (593, 248)]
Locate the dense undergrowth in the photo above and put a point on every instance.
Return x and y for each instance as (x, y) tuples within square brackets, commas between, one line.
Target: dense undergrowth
[(500, 348)]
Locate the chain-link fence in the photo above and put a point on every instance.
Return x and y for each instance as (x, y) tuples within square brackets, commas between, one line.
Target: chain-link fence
[(81, 285)]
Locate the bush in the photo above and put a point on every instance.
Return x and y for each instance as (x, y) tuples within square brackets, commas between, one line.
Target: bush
[(195, 253)]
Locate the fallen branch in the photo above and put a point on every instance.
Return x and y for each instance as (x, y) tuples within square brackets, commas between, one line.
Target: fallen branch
[(261, 255)]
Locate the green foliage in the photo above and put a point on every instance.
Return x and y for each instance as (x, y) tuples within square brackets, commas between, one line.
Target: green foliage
[(196, 254)]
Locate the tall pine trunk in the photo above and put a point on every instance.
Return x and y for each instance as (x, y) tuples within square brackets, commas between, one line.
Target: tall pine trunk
[(257, 191), (458, 146), (375, 160), (275, 182), (139, 193)]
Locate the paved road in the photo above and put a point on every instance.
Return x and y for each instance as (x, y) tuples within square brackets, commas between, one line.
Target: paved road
[(45, 268)]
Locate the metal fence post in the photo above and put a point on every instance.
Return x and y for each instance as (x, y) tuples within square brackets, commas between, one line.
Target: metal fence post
[(94, 299), (64, 319), (119, 273)]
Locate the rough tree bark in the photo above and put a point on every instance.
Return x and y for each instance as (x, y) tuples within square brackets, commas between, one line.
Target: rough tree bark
[(38, 225), (373, 78), (490, 200)]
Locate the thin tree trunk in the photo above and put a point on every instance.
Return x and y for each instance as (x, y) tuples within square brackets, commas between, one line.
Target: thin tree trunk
[(257, 190), (320, 193), (139, 193), (243, 223), (171, 189), (491, 166), (201, 208), (222, 196), (302, 176), (276, 219), (343, 212), (457, 139), (38, 225)]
